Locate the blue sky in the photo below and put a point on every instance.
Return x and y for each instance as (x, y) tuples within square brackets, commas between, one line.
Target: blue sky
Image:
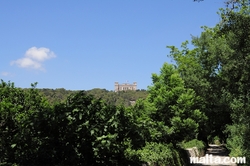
[(86, 44)]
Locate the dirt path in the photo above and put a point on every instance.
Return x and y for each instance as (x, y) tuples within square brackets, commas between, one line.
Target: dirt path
[(216, 156)]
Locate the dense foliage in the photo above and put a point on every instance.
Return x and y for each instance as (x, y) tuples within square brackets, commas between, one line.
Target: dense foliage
[(83, 130), (126, 98), (80, 131), (217, 68), (203, 98)]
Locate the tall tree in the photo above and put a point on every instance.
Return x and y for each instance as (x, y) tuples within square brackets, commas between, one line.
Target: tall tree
[(171, 107), (217, 69), (235, 73), (199, 68)]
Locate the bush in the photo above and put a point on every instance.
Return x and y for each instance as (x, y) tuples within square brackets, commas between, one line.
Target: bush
[(216, 140), (194, 143), (156, 154)]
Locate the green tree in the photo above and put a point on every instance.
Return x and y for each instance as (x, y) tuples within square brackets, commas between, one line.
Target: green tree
[(81, 131), (174, 106), (235, 73), (23, 122), (164, 119), (217, 69), (90, 132), (200, 69)]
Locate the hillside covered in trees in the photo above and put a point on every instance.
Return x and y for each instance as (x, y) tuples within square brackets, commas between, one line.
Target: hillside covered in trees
[(126, 98), (203, 97)]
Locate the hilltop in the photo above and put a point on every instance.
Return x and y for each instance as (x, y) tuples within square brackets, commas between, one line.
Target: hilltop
[(126, 98)]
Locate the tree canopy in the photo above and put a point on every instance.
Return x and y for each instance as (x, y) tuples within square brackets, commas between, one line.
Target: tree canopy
[(205, 95)]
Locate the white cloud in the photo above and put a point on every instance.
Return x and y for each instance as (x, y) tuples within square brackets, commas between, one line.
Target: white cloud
[(34, 57), (4, 73), (27, 63), (39, 54)]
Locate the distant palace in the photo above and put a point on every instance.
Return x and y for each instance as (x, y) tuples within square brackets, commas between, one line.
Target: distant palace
[(125, 86)]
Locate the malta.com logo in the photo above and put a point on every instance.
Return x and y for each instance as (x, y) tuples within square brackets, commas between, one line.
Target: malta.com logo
[(210, 159)]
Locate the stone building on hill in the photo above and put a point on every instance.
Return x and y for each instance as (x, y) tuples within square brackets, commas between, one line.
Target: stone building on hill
[(125, 86)]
